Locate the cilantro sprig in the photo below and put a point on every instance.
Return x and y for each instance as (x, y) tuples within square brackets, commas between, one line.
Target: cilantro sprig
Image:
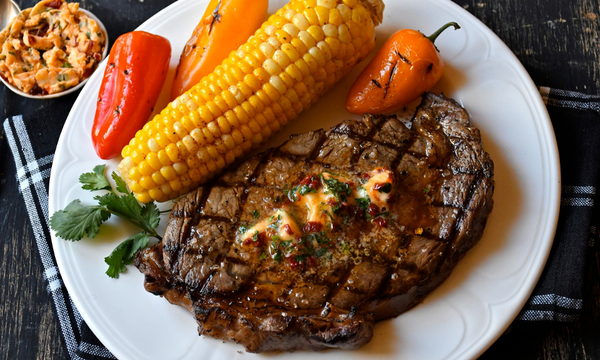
[(77, 221)]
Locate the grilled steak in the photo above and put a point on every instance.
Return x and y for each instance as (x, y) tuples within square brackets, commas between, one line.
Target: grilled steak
[(404, 205)]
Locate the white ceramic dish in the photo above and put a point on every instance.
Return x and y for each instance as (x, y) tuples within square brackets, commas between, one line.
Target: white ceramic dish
[(458, 320), (74, 88)]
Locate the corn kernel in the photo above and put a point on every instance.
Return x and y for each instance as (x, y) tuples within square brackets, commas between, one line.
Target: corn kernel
[(252, 61), (329, 4), (243, 93), (300, 22), (241, 114), (155, 194), (289, 14), (190, 144), (212, 167), (164, 158), (259, 55), (256, 103), (354, 29), (166, 189), (153, 145), (271, 92), (228, 141), (274, 43), (224, 125), (350, 3), (147, 182), (322, 14), (276, 82), (344, 34), (221, 104), (172, 152), (238, 152), (316, 32), (203, 155), (158, 178), (229, 99), (262, 74), (195, 175), (214, 129), (311, 62), (192, 162), (288, 81), (311, 16), (134, 174), (291, 30), (267, 49), (180, 168), (324, 48), (212, 151), (271, 67), (299, 46), (153, 160), (143, 197), (307, 39), (334, 46), (136, 187), (175, 184)]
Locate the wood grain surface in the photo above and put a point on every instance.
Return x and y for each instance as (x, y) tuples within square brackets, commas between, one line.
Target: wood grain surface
[(556, 40)]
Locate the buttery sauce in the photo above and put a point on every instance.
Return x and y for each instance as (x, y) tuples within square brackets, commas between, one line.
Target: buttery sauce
[(300, 229)]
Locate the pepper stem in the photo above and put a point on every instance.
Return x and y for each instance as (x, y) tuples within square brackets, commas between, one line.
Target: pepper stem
[(440, 30)]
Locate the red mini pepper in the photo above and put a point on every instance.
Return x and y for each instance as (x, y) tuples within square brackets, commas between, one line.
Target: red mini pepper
[(135, 72)]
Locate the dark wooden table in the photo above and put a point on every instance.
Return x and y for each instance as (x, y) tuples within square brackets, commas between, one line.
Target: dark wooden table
[(556, 40)]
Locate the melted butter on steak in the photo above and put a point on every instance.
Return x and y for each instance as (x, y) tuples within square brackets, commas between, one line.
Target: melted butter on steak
[(313, 211), (441, 198)]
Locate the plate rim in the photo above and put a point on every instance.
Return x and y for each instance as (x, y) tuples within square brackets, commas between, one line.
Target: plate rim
[(533, 273)]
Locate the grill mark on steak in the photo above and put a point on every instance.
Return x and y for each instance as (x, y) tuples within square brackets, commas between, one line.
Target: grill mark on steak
[(266, 306)]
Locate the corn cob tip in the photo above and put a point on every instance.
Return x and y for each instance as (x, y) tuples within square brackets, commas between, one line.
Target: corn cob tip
[(375, 7)]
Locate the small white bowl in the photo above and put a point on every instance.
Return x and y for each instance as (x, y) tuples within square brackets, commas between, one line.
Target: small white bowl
[(74, 88)]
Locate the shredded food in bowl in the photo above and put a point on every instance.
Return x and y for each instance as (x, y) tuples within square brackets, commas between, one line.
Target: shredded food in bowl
[(50, 48)]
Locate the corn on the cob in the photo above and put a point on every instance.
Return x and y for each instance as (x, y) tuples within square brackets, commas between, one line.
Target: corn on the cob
[(296, 55)]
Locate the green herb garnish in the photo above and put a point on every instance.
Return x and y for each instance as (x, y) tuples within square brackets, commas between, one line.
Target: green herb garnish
[(256, 214), (386, 188), (300, 190), (340, 190), (322, 252), (77, 221), (363, 203)]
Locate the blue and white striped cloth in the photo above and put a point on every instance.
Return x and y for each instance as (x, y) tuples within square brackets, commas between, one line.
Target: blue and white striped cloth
[(33, 172)]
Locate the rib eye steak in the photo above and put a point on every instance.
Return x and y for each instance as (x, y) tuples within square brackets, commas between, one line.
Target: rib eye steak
[(306, 245)]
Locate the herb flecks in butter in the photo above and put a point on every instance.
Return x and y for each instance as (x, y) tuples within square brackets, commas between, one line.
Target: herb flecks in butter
[(299, 231)]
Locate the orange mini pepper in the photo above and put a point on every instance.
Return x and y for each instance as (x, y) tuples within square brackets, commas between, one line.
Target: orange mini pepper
[(225, 25), (135, 72), (407, 65)]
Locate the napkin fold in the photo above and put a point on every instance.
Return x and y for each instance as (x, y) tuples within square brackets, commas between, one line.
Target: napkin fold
[(557, 297)]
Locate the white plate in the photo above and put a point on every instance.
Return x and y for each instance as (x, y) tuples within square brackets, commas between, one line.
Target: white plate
[(458, 320), (74, 88)]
